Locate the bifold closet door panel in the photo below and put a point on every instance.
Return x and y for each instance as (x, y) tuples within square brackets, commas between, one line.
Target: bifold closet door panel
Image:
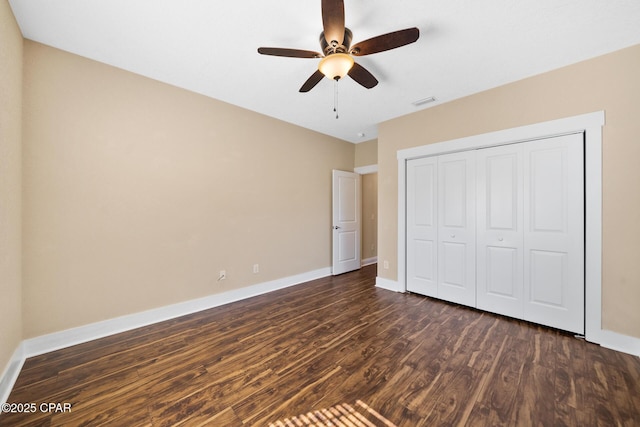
[(422, 216), (554, 232), (501, 229), (456, 228), (499, 200)]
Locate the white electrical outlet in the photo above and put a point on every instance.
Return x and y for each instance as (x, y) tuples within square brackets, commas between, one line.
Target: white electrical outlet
[(222, 275), (385, 264), (256, 268)]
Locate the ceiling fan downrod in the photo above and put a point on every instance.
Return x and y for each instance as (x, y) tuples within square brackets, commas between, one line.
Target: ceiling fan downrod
[(335, 97)]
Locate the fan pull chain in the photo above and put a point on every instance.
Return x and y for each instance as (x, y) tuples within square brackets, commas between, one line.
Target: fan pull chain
[(335, 98)]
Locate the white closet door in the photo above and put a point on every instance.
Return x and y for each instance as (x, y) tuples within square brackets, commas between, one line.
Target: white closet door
[(422, 253), (500, 230), (554, 232), (456, 228)]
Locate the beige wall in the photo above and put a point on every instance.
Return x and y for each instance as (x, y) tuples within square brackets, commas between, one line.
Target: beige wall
[(137, 193), (366, 153), (10, 184), (609, 83)]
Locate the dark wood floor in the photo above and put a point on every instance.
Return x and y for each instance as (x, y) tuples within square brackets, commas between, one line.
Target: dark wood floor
[(416, 361)]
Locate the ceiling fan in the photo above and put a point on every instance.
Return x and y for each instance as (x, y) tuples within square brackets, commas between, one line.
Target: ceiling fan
[(337, 52)]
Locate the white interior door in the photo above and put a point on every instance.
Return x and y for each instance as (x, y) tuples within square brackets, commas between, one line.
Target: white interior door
[(422, 242), (554, 232), (499, 196), (456, 228), (346, 222)]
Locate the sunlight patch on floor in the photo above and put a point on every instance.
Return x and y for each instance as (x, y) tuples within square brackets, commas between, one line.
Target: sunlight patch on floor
[(343, 415)]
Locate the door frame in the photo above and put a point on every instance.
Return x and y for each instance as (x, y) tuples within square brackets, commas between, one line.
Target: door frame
[(366, 170), (591, 125)]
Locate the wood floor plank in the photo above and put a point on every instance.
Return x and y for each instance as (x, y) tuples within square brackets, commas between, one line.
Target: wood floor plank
[(416, 361), (535, 405), (497, 399)]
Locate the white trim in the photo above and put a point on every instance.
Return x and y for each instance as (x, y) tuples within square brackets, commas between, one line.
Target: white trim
[(364, 170), (11, 372), (591, 124), (402, 226), (619, 342), (390, 285), (508, 136), (369, 261), (593, 234), (57, 340)]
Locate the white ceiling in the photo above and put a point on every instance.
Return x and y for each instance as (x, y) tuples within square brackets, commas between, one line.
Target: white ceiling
[(209, 47)]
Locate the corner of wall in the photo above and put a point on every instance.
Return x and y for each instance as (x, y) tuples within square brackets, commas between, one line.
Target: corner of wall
[(11, 87)]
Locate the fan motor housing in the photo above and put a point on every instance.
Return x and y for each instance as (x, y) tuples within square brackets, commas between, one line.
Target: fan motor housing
[(335, 46)]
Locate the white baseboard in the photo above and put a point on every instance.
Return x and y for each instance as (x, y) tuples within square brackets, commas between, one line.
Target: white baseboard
[(619, 342), (391, 285), (57, 340), (11, 372), (605, 338), (369, 261)]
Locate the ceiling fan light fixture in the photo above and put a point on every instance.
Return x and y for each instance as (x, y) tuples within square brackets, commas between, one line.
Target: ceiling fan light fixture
[(336, 65)]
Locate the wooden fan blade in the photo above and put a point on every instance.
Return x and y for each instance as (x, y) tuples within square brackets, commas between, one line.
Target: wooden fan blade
[(291, 53), (312, 81), (362, 76), (386, 42), (333, 20)]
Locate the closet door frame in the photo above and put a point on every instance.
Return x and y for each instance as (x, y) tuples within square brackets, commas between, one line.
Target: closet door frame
[(591, 125)]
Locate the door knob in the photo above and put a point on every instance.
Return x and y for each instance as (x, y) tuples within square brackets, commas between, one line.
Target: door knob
[(335, 227), (500, 239), (453, 236)]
